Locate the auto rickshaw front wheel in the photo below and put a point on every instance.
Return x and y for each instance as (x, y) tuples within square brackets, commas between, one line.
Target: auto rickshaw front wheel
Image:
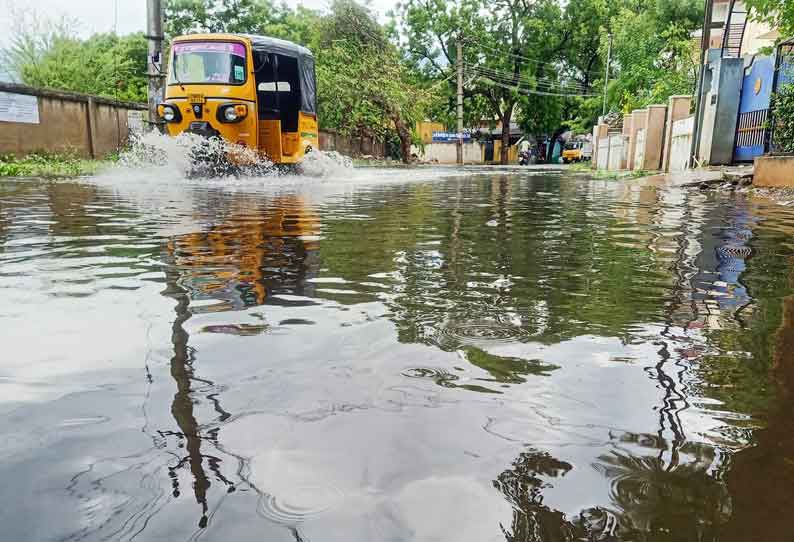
[(208, 158)]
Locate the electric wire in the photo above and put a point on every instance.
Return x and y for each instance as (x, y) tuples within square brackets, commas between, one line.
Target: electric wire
[(510, 74), (512, 78), (528, 91), (528, 59), (524, 83)]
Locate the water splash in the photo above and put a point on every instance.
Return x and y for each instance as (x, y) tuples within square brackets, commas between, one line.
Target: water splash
[(190, 155), (325, 164)]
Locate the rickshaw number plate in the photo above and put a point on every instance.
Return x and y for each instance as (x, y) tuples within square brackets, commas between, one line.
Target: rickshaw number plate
[(196, 98)]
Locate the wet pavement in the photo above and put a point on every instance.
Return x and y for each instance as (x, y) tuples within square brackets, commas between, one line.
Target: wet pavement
[(429, 355)]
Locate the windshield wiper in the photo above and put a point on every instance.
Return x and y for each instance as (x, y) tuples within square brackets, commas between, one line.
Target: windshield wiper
[(176, 77)]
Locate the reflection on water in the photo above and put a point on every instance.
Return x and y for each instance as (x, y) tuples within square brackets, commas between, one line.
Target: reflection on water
[(190, 435), (487, 357), (252, 251)]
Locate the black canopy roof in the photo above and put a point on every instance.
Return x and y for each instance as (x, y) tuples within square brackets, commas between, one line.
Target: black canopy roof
[(266, 45)]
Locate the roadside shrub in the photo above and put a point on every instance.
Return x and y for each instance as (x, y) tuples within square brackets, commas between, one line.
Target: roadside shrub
[(783, 104), (46, 165)]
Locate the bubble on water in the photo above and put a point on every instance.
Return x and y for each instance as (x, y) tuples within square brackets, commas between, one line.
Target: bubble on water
[(454, 334), (442, 377), (297, 504)]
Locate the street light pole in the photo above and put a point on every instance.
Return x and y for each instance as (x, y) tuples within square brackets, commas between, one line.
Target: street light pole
[(460, 100), (154, 33), (606, 76), (705, 43)]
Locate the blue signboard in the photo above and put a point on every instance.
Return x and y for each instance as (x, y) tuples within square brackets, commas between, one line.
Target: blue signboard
[(449, 137)]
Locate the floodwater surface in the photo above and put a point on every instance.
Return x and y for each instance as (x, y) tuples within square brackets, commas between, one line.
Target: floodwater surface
[(394, 355)]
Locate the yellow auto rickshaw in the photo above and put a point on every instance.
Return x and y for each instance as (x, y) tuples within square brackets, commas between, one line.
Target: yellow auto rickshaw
[(577, 150), (572, 152), (253, 91)]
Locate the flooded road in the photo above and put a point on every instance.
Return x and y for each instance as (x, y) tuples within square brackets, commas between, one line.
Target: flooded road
[(395, 355)]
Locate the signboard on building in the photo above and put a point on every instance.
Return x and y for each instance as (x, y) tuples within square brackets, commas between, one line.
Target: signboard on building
[(448, 137), (135, 121), (20, 108)]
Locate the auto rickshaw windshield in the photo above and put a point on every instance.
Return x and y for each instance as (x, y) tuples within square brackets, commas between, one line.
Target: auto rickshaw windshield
[(207, 62)]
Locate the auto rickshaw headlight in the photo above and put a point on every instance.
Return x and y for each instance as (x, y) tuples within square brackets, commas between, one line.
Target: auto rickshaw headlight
[(232, 112), (169, 113)]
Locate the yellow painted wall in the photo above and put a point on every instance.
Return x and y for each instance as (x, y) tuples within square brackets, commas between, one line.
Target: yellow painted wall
[(426, 128), (512, 152)]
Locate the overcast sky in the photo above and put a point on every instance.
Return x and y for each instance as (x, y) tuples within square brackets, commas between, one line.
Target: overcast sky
[(99, 15)]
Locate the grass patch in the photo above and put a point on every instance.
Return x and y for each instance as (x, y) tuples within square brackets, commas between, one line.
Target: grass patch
[(604, 175), (580, 167), (376, 162), (48, 165)]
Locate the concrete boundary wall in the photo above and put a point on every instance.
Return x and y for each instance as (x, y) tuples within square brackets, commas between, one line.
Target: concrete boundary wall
[(646, 140), (603, 153), (639, 150), (677, 110), (681, 144), (351, 146), (90, 126), (447, 153), (636, 123), (618, 149), (654, 137), (600, 133)]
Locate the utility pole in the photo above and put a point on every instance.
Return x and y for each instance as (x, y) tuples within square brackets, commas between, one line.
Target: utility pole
[(154, 33), (705, 43), (606, 76), (460, 99)]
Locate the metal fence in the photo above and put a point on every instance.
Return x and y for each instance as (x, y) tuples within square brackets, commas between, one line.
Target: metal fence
[(751, 134)]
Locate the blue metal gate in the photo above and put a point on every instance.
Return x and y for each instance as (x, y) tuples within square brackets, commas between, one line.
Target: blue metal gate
[(752, 128)]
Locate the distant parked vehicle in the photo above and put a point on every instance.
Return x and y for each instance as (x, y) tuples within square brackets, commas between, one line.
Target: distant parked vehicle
[(573, 152), (587, 151)]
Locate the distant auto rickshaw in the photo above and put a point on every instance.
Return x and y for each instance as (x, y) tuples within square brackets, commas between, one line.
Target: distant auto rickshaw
[(577, 151), (572, 152), (253, 91)]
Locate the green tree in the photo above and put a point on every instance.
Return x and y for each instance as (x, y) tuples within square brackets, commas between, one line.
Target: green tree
[(363, 84), (190, 16), (301, 25), (512, 50), (778, 13), (654, 57), (104, 64)]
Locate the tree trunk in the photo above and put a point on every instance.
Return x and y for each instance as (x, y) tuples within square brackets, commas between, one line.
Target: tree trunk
[(508, 115), (405, 138)]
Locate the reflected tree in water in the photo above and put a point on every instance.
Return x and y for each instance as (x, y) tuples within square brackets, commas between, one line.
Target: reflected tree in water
[(534, 521), (655, 500), (650, 501), (191, 434), (542, 260), (251, 252)]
